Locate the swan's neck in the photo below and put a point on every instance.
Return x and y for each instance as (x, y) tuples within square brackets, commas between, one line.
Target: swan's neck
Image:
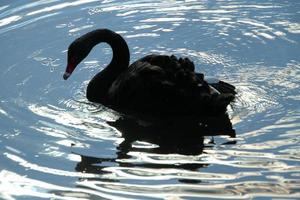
[(100, 84)]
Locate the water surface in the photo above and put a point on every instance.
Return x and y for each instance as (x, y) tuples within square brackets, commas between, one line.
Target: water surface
[(55, 144)]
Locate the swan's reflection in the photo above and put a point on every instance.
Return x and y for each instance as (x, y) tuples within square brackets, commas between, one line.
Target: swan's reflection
[(185, 137)]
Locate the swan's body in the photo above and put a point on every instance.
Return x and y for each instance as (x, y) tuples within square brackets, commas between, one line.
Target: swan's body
[(154, 84)]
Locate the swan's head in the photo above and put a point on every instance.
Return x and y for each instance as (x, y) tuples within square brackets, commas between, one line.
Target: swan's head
[(77, 51)]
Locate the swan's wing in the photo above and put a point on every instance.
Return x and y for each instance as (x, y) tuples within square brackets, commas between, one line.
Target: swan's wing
[(171, 86), (169, 63), (141, 86), (176, 66)]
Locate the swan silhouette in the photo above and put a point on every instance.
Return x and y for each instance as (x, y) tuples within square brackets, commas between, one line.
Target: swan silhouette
[(155, 84)]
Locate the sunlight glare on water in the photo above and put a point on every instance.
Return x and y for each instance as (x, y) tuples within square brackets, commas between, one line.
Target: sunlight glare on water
[(55, 144)]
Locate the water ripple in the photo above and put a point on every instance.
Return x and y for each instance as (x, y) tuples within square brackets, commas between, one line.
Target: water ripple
[(40, 168), (55, 144), (93, 127)]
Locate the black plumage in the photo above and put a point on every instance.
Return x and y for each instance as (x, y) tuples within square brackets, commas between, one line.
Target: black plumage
[(154, 84)]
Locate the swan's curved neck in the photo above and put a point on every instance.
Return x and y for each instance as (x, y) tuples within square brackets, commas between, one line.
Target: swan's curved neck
[(100, 84), (119, 46)]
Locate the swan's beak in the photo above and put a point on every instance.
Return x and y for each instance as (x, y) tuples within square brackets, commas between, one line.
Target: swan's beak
[(66, 75), (70, 68)]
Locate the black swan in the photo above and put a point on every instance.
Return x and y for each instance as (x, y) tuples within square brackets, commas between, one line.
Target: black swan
[(155, 84)]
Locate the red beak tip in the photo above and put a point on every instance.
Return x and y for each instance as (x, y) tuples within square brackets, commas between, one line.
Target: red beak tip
[(66, 75)]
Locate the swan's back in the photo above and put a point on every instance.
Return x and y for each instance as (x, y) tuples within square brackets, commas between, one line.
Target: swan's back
[(165, 85)]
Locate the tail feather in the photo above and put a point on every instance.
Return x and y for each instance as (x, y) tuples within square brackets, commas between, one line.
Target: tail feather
[(224, 88)]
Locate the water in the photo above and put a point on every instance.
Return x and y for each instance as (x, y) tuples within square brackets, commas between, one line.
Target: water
[(55, 144)]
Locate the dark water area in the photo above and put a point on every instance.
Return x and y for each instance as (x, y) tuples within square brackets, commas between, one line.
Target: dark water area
[(55, 144)]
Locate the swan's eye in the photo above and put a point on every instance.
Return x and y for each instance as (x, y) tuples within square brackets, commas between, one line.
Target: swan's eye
[(75, 47), (78, 51), (70, 51)]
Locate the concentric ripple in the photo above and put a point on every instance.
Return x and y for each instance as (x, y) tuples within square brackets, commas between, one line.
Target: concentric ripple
[(55, 144)]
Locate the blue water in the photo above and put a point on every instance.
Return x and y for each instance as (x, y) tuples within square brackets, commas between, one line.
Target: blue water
[(55, 144)]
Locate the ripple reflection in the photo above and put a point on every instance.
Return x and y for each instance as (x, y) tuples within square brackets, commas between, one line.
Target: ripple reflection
[(55, 144)]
